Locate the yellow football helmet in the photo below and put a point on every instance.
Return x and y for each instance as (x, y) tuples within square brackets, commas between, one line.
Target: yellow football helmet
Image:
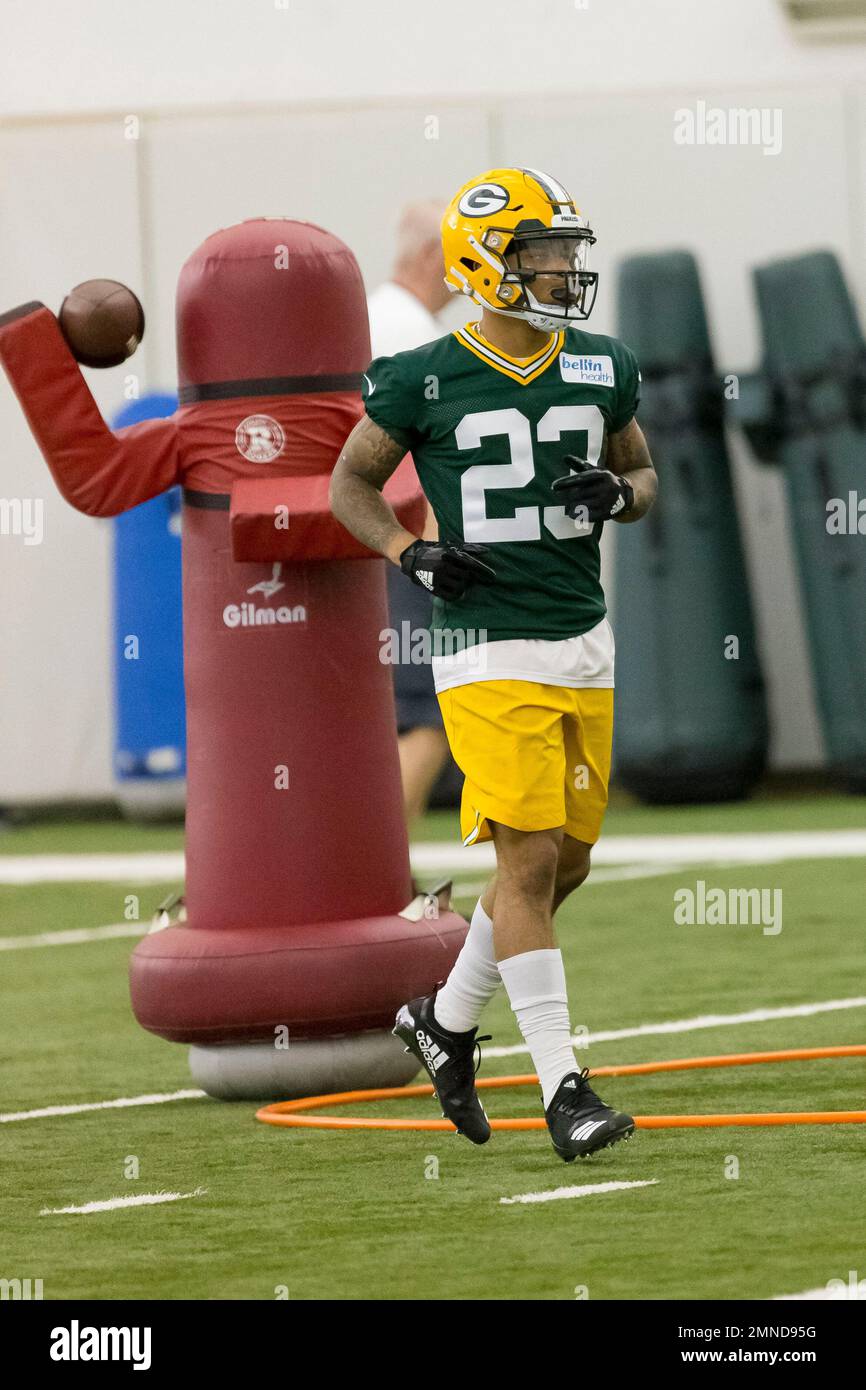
[(528, 217)]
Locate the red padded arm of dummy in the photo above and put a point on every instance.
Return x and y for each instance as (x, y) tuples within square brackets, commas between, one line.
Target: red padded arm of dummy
[(290, 518), (99, 472)]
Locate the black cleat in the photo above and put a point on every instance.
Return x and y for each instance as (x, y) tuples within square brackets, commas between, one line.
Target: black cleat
[(580, 1122), (450, 1060)]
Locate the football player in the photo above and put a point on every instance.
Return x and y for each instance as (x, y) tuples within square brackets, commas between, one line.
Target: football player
[(522, 430)]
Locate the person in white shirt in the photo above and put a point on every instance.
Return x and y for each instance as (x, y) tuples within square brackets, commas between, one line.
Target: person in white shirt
[(402, 316), (402, 310)]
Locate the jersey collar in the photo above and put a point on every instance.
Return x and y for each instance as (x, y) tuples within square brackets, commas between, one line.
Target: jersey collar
[(521, 369)]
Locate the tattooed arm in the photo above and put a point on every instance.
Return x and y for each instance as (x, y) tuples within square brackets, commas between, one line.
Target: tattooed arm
[(368, 459), (629, 457)]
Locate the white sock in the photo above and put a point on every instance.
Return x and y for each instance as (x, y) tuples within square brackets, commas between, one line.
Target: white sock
[(535, 983), (474, 978)]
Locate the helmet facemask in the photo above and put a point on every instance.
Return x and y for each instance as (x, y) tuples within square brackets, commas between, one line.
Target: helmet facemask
[(546, 280)]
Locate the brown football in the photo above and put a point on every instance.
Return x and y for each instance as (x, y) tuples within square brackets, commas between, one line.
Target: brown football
[(102, 321)]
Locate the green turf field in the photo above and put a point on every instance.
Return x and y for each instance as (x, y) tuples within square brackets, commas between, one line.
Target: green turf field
[(352, 1216)]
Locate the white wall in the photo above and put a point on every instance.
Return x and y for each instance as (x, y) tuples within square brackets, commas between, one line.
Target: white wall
[(128, 56), (79, 199), (54, 619)]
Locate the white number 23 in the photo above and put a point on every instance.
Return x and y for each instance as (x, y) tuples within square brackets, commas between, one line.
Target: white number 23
[(525, 522)]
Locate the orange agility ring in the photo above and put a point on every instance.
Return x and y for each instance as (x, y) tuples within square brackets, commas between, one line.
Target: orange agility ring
[(293, 1113)]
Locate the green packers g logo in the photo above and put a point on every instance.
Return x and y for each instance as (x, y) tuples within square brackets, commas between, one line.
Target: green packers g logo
[(483, 199)]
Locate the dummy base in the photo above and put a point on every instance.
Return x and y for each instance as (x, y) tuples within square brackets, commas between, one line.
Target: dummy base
[(306, 1067)]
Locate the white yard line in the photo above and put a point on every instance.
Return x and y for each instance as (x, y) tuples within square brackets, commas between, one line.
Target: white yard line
[(744, 847), (472, 888), (627, 871), (76, 936), (145, 1199), (155, 867), (122, 1103), (448, 856), (689, 1025), (558, 1194)]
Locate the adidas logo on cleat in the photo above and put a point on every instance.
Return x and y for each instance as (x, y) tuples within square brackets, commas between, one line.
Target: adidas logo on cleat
[(434, 1057), (570, 1085), (586, 1129)]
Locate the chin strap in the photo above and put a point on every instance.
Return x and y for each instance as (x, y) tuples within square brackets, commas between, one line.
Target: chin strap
[(546, 325), (535, 320)]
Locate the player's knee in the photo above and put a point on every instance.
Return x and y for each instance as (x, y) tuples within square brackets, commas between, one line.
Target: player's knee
[(566, 883), (577, 875), (529, 863), (572, 870)]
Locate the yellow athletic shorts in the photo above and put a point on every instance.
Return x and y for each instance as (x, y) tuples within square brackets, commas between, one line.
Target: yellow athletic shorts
[(534, 756)]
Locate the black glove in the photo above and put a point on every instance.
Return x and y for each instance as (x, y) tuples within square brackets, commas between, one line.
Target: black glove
[(602, 494), (446, 570)]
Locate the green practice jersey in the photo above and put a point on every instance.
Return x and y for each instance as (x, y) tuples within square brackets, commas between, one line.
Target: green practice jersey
[(488, 435)]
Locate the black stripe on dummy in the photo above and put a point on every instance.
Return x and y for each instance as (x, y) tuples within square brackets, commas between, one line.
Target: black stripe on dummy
[(270, 386), (207, 501)]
